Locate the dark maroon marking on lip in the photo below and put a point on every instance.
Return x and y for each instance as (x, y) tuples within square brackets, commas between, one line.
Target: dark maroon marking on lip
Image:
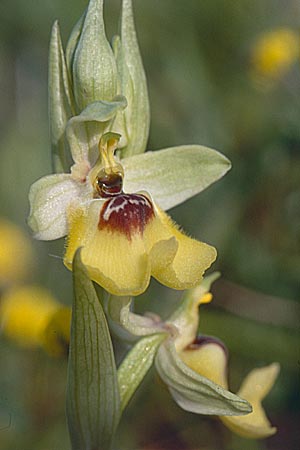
[(126, 213), (202, 340)]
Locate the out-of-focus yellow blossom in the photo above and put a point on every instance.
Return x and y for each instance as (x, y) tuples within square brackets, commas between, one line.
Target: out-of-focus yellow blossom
[(274, 52), (16, 258), (56, 335), (31, 317), (208, 356)]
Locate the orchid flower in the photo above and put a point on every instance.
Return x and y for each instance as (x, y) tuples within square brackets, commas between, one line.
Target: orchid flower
[(111, 204)]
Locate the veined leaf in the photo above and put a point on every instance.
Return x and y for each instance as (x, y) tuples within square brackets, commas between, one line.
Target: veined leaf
[(93, 402), (136, 364)]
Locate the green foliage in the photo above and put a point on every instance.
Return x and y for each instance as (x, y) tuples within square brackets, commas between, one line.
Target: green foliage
[(93, 402)]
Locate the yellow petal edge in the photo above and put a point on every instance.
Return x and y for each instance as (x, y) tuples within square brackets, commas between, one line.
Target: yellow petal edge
[(254, 388)]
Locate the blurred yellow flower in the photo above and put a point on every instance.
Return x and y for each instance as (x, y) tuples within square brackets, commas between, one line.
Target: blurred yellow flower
[(274, 52), (31, 317), (56, 335), (16, 257)]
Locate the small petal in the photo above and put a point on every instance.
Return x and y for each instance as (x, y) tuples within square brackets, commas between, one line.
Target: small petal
[(49, 198), (191, 260), (255, 387)]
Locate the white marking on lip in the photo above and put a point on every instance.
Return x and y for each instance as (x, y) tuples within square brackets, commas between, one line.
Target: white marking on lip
[(127, 200)]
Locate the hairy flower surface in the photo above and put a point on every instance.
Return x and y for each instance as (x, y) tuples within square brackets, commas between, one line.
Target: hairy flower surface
[(126, 237)]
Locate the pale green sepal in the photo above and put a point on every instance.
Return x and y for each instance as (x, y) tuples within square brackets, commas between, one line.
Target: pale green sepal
[(61, 104), (174, 174), (119, 123), (136, 364), (193, 392), (49, 199), (128, 325), (84, 130), (93, 400), (94, 66), (72, 43), (186, 317), (133, 85)]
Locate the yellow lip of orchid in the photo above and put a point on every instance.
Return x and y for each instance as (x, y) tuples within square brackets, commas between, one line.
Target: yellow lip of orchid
[(126, 238)]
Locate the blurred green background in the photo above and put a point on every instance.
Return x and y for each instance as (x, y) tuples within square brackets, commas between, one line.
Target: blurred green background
[(197, 57)]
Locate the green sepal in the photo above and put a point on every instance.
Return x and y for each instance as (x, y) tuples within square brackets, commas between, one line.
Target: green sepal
[(61, 103), (193, 392), (85, 130), (136, 364), (133, 85), (173, 175), (93, 400), (94, 66), (72, 43)]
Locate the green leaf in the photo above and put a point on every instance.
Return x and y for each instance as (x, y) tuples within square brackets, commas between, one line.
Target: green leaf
[(93, 402), (193, 392), (133, 84), (174, 174), (136, 364), (61, 104), (94, 66), (85, 130)]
